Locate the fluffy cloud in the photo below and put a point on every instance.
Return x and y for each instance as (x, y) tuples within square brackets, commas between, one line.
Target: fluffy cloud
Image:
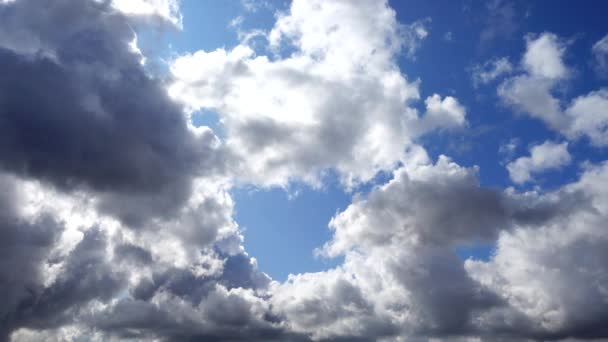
[(111, 203), (590, 117), (401, 276), (543, 57), (543, 157), (89, 275), (331, 97), (533, 93), (553, 275), (165, 9), (119, 134)]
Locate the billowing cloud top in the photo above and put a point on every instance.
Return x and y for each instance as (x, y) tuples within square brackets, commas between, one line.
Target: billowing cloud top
[(116, 215)]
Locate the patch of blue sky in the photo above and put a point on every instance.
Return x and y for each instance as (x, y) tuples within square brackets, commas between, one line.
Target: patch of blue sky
[(476, 251), (282, 228), (445, 68), (209, 118)]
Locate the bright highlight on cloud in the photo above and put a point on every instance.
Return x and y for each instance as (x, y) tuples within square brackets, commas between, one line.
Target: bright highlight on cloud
[(117, 216), (164, 9), (543, 157), (338, 100)]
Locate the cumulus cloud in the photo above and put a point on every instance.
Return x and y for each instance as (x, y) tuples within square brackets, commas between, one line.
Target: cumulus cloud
[(89, 276), (543, 157), (552, 275), (119, 134), (533, 93), (543, 57), (111, 202), (442, 114), (401, 275), (338, 100)]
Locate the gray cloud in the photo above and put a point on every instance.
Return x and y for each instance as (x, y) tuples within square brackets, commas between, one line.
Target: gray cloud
[(23, 246), (78, 109)]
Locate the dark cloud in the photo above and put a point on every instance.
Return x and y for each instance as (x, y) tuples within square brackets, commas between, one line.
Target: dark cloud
[(77, 109), (133, 253), (191, 307), (24, 246), (443, 294), (87, 275)]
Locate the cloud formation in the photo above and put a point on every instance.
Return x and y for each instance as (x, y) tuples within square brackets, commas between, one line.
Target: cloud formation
[(533, 93), (117, 223), (332, 97), (543, 157)]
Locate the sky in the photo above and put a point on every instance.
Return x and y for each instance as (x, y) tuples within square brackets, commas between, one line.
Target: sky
[(305, 170)]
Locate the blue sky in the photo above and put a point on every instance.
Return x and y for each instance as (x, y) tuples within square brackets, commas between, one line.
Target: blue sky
[(462, 34)]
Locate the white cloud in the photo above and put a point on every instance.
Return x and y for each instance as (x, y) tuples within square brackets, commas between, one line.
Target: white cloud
[(337, 101), (589, 116), (543, 157), (533, 93), (446, 113), (166, 9), (543, 57), (533, 96)]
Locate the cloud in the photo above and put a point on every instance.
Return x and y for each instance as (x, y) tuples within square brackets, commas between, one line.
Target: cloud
[(164, 9), (600, 53), (490, 70), (543, 157), (25, 245), (401, 275), (543, 57), (551, 274), (442, 114), (500, 21), (337, 100), (119, 135), (111, 201), (508, 149), (88, 275), (533, 93)]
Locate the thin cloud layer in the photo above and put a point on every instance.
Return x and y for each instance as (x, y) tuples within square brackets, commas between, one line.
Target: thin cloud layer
[(116, 216)]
